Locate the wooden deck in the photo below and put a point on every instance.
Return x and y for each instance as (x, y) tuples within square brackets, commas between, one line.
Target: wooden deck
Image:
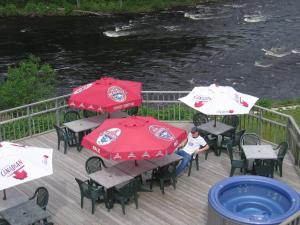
[(185, 205)]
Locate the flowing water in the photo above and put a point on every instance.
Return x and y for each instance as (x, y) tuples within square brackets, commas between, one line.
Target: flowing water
[(253, 45)]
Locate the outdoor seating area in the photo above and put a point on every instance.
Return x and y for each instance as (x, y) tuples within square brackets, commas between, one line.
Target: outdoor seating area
[(153, 207)]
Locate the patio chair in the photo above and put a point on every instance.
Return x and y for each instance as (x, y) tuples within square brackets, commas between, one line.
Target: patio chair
[(63, 135), (281, 151), (87, 114), (4, 222), (212, 142), (236, 163), (71, 115), (199, 118), (133, 111), (42, 196), (231, 120), (127, 191), (264, 167), (234, 140), (249, 139), (93, 164), (165, 174), (91, 192)]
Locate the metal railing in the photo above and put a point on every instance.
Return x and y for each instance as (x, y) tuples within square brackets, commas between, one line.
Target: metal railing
[(292, 220), (39, 117)]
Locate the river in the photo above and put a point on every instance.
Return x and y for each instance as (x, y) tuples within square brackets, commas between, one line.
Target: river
[(252, 45)]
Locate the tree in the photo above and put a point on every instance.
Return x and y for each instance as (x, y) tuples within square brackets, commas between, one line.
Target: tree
[(27, 82)]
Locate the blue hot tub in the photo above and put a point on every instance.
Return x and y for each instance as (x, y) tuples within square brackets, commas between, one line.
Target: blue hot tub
[(251, 200)]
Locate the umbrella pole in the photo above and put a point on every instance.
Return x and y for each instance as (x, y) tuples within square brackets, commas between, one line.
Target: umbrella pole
[(215, 124), (135, 163), (108, 115), (4, 194)]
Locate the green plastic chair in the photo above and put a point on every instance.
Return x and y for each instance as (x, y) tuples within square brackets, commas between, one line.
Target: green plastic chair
[(63, 135), (199, 118), (236, 163), (281, 152), (163, 175), (71, 115), (124, 193), (212, 142), (234, 140), (42, 197), (91, 192), (94, 164), (264, 167)]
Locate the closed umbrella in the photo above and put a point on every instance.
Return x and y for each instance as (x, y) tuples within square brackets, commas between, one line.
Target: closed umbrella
[(20, 164), (134, 138)]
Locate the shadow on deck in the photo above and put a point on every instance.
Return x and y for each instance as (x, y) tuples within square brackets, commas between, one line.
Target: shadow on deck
[(185, 205)]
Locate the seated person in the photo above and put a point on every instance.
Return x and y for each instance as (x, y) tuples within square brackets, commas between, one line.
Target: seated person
[(194, 144)]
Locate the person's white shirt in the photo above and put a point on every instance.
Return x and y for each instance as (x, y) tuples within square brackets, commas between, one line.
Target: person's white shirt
[(194, 144)]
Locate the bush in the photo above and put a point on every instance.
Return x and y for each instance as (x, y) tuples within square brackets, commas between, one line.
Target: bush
[(27, 82), (267, 103)]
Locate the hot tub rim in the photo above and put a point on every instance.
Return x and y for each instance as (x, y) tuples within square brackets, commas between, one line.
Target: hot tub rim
[(214, 202)]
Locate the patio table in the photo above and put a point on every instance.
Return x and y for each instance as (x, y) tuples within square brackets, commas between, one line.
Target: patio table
[(259, 152), (25, 213), (14, 197), (166, 160), (132, 169), (219, 129), (85, 124)]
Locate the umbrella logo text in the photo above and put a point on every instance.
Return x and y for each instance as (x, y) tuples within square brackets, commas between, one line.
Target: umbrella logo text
[(14, 170), (81, 89), (161, 132), (116, 94), (108, 136)]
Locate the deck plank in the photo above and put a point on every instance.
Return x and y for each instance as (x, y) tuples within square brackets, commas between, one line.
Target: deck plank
[(185, 205)]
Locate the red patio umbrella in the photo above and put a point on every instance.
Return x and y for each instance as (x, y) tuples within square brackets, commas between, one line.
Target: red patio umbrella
[(134, 138), (107, 95)]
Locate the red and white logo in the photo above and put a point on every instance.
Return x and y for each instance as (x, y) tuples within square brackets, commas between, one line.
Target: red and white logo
[(116, 94), (161, 132), (16, 170), (108, 136)]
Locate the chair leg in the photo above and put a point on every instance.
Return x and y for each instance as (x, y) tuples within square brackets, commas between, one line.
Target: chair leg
[(93, 206), (136, 200), (190, 167), (197, 162), (123, 205), (65, 146), (58, 144), (232, 171), (174, 182), (206, 154), (81, 204), (162, 186), (280, 169)]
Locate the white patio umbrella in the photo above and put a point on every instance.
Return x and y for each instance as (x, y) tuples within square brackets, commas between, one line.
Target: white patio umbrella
[(219, 100), (20, 164)]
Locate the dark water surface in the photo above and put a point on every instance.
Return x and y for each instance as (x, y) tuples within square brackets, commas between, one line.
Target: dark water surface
[(253, 45)]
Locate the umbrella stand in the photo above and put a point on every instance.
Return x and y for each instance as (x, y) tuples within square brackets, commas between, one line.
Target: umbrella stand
[(4, 194)]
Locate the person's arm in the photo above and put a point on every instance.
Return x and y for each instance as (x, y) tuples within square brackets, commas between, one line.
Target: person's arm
[(182, 144), (205, 148)]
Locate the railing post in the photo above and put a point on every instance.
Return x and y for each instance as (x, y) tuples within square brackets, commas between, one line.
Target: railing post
[(57, 113), (29, 121), (260, 123)]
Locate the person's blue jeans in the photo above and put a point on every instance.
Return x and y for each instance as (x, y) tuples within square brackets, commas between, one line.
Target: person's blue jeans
[(184, 162)]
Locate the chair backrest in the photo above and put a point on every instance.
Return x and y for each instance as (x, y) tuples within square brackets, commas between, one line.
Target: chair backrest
[(59, 131), (129, 189), (87, 113), (94, 164), (250, 139), (199, 118), (133, 111), (237, 137), (4, 222), (83, 187), (71, 115), (232, 120), (282, 149), (42, 196)]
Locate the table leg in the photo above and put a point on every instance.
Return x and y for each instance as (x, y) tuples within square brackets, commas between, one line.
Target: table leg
[(4, 194), (80, 137), (109, 198)]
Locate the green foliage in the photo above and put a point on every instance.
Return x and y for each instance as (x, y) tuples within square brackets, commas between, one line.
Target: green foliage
[(27, 82), (263, 102)]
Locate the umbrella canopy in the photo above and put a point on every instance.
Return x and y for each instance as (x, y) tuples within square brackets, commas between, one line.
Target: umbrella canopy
[(219, 100), (134, 138), (19, 163), (107, 95)]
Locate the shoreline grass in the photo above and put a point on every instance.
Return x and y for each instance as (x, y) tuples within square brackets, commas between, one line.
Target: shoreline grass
[(68, 7)]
